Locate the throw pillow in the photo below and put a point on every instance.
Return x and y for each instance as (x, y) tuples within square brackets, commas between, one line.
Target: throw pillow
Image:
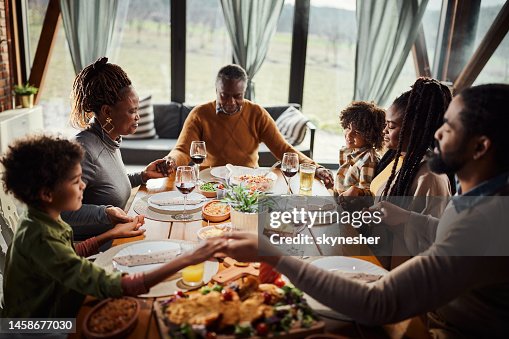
[(146, 128), (292, 124)]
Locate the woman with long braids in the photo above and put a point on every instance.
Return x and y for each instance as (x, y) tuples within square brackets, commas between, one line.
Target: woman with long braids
[(411, 122), (104, 107)]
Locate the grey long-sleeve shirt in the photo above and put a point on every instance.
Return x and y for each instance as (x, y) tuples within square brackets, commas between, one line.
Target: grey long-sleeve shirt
[(106, 178), (463, 277)]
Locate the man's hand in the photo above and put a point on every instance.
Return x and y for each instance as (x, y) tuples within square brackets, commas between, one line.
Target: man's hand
[(245, 247), (117, 215), (129, 229), (167, 166), (326, 176), (392, 215)]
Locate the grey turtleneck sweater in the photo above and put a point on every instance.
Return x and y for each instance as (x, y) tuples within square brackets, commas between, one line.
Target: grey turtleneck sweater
[(108, 183)]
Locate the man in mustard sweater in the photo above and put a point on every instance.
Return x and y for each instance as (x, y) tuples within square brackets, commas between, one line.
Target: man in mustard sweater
[(233, 128)]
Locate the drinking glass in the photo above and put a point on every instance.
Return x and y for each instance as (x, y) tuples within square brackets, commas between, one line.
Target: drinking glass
[(185, 181), (290, 166), (307, 175), (198, 153), (193, 275)]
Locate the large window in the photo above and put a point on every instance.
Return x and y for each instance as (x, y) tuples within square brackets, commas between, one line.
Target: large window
[(497, 68), (208, 49), (329, 78), (145, 48), (273, 79), (54, 95)]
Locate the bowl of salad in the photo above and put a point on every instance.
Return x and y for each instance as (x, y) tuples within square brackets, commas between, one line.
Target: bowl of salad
[(209, 189)]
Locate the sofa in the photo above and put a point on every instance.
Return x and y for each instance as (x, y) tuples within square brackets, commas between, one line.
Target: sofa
[(168, 122)]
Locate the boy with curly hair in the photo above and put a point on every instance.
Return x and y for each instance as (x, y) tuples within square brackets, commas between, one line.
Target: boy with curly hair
[(363, 123), (46, 275)]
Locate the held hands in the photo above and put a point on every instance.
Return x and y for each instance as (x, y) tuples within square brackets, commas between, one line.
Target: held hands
[(392, 215), (129, 229), (159, 168), (326, 176), (117, 215), (123, 230), (206, 250), (245, 247), (165, 166)]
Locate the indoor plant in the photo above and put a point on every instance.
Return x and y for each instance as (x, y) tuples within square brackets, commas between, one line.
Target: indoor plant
[(244, 207), (26, 94)]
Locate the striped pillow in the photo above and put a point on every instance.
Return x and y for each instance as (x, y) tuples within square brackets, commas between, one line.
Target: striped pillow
[(292, 124), (146, 129)]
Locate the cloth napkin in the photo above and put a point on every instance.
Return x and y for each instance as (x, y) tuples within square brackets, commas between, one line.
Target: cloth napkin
[(147, 259), (176, 201)]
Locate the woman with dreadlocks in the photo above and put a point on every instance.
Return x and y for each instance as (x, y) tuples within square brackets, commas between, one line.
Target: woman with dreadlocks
[(411, 122), (104, 107)]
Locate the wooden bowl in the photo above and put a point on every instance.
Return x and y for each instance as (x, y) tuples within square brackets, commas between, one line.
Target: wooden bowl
[(215, 217), (112, 318)]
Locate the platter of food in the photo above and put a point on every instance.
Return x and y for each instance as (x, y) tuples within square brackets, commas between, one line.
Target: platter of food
[(111, 318), (261, 181), (242, 309), (216, 211)]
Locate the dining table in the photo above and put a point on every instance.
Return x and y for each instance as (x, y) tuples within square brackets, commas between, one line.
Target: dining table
[(147, 326)]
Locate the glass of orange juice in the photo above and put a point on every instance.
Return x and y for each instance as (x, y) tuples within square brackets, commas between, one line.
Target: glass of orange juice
[(193, 275)]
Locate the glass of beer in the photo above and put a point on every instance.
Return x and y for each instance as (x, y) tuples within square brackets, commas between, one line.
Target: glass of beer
[(193, 275), (307, 175)]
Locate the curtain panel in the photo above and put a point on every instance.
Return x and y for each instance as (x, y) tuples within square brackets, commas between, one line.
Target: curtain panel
[(93, 29), (251, 25), (386, 31)]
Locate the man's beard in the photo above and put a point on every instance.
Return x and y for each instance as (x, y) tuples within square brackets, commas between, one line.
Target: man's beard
[(449, 162)]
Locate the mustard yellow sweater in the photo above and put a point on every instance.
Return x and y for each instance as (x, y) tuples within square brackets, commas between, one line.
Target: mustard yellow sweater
[(233, 138)]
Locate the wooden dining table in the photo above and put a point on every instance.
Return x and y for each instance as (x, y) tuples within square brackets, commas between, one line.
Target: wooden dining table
[(157, 230)]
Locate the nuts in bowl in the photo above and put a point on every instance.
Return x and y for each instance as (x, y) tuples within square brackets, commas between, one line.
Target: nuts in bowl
[(213, 231), (112, 318), (216, 211)]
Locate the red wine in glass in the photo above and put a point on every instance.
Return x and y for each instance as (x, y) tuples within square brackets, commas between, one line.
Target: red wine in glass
[(198, 158), (289, 166), (185, 187), (290, 172)]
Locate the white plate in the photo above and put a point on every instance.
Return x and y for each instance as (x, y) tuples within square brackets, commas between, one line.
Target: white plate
[(176, 208), (345, 264), (143, 248), (222, 172)]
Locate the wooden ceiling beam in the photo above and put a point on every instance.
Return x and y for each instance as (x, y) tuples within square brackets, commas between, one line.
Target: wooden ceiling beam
[(483, 53), (45, 46), (420, 55)]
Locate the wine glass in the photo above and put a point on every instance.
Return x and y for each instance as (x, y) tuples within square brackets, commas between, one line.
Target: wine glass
[(198, 153), (185, 181), (290, 166)]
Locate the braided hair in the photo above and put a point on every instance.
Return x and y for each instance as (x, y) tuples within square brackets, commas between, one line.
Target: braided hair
[(98, 84), (423, 109)]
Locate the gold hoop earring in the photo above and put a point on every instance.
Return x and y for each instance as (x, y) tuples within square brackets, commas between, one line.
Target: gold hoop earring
[(107, 128)]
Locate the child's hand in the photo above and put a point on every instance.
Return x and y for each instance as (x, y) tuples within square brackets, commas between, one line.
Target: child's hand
[(129, 229), (353, 192), (206, 250), (117, 215)]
